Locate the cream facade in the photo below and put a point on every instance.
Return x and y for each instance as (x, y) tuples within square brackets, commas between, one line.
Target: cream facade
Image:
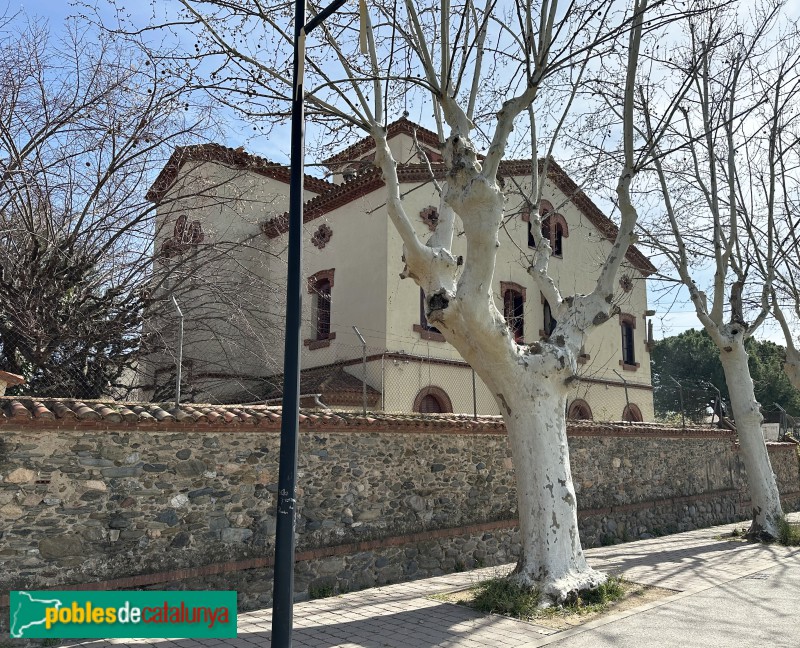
[(352, 263)]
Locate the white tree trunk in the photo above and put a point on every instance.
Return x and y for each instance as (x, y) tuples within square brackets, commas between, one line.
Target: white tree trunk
[(552, 559), (529, 382), (530, 387), (764, 493)]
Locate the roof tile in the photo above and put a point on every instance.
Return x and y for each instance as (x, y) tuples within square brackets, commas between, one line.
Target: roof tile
[(44, 413)]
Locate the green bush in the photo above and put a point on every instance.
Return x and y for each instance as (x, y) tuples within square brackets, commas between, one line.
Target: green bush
[(788, 533)]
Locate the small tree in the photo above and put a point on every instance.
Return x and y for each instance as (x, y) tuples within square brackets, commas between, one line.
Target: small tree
[(87, 121)]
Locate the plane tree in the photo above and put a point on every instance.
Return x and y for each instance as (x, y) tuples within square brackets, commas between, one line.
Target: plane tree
[(720, 223), (498, 78)]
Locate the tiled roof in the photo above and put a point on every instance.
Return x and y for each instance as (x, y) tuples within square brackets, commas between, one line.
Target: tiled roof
[(236, 158), (365, 144), (333, 383), (65, 413), (372, 179), (60, 413)]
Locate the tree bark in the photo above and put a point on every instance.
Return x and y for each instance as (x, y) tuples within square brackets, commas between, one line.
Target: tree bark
[(764, 495), (552, 559)]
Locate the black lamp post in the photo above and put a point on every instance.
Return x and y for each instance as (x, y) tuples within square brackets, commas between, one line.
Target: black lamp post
[(283, 584)]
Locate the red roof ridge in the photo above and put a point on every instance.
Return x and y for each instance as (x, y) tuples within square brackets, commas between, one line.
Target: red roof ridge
[(402, 125), (53, 412), (238, 158), (372, 179)]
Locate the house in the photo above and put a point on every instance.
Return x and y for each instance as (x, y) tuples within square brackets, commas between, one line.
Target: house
[(222, 213)]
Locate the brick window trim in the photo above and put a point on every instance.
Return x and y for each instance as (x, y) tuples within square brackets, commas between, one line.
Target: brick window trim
[(319, 276), (319, 344), (552, 218), (511, 285), (425, 334), (632, 413), (506, 286), (579, 406), (438, 393), (629, 367), (627, 317), (313, 280)]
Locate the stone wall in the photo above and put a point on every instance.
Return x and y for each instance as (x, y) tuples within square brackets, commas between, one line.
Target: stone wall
[(171, 504)]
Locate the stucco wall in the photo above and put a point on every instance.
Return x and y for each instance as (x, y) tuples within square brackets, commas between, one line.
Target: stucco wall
[(152, 506)]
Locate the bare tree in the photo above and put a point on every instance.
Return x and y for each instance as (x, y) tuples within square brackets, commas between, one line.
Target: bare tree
[(719, 179), (87, 122), (482, 71)]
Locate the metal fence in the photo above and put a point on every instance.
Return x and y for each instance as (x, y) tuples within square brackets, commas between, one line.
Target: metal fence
[(211, 368)]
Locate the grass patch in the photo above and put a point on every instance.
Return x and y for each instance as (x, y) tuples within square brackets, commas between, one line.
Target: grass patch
[(788, 533), (502, 596), (320, 591)]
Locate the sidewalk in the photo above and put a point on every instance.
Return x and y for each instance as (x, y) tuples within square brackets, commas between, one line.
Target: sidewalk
[(727, 593)]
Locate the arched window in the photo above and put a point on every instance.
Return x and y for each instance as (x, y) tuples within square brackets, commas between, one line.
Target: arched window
[(514, 308), (432, 400), (322, 303), (632, 414), (423, 320), (546, 233), (320, 286), (627, 325), (425, 329), (558, 239), (579, 410)]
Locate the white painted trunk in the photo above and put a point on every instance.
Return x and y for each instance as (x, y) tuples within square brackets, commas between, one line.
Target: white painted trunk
[(529, 382), (766, 503), (552, 559)]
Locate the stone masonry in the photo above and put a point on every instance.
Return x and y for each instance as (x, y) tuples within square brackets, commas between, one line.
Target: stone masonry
[(189, 503)]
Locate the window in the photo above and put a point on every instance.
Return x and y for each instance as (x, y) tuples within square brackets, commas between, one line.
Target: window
[(425, 329), (558, 240), (320, 286), (579, 410), (430, 405), (514, 308), (432, 400), (632, 414), (549, 322), (554, 228), (627, 325), (322, 302)]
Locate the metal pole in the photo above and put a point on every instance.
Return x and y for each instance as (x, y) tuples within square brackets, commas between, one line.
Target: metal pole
[(283, 583), (625, 384), (179, 371), (364, 367), (474, 398), (680, 395)]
